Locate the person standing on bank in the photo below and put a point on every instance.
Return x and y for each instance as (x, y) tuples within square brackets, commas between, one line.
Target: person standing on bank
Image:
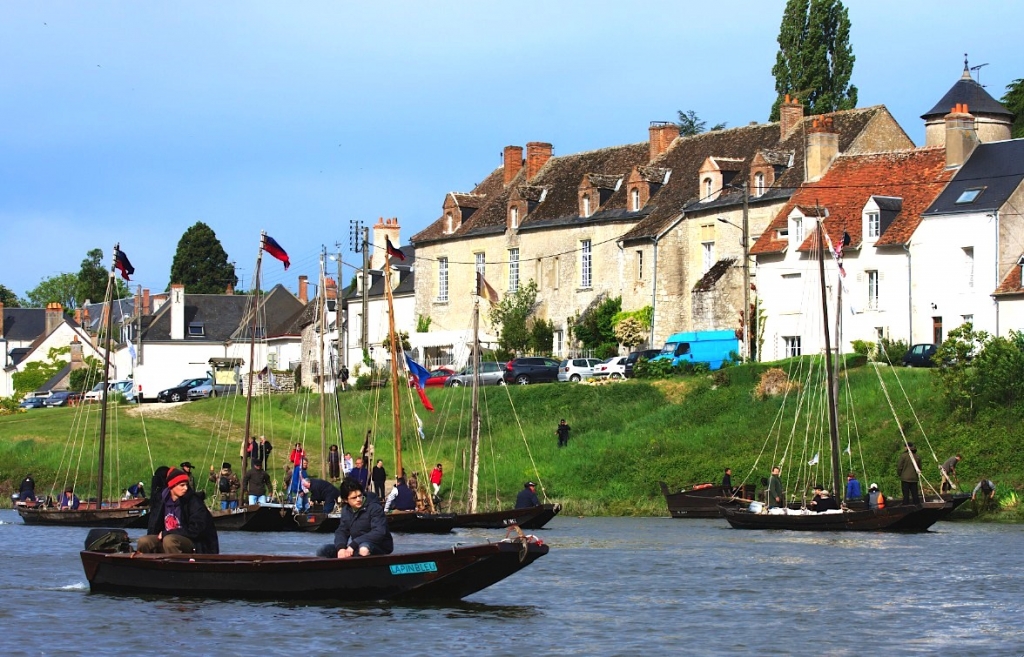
[(378, 479), (987, 488), (179, 522), (363, 527), (908, 468), (948, 471), (261, 451), (187, 468), (527, 498), (436, 475), (256, 483), (563, 433), (727, 482), (775, 491)]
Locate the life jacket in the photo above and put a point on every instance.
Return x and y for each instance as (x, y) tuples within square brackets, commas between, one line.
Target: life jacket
[(224, 483), (876, 500)]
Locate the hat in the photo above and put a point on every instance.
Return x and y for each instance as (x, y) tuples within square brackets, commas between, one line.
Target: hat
[(68, 489), (873, 487), (529, 484), (817, 487), (225, 465), (175, 477), (186, 464)]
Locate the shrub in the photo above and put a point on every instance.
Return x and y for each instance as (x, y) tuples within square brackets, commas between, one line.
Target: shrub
[(720, 378), (891, 350), (863, 347), (652, 369)]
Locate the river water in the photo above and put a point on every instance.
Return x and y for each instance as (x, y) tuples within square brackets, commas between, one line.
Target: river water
[(610, 586)]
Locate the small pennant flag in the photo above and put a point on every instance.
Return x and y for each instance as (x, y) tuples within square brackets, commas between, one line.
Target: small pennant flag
[(271, 246), (122, 263), (813, 461), (484, 289), (847, 450), (419, 426), (131, 351), (394, 251)]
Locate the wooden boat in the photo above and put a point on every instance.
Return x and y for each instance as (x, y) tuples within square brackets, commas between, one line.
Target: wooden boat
[(534, 517), (450, 574), (114, 513), (400, 522), (704, 500)]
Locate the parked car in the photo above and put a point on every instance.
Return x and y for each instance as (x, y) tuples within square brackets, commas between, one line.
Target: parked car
[(439, 377), (32, 402), (920, 355), (577, 369), (180, 392), (531, 370), (490, 375), (634, 356), (613, 368), (124, 388), (63, 398), (94, 395), (210, 389)]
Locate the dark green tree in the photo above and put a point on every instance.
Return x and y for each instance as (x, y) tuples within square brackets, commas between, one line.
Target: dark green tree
[(8, 297), (1013, 99), (93, 277), (815, 60), (62, 289), (542, 335), (594, 327), (509, 316), (690, 124), (201, 263)]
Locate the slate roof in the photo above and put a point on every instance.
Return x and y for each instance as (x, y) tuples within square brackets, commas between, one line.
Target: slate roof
[(123, 309), (406, 278), (224, 316), (966, 90), (23, 324), (1012, 284), (997, 166), (916, 177)]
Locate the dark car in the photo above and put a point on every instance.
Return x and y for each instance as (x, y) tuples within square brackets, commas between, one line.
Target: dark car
[(530, 370), (180, 392), (33, 402), (920, 355), (634, 356), (63, 398)]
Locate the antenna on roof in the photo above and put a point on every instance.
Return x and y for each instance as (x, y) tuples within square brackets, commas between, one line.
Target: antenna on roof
[(977, 70)]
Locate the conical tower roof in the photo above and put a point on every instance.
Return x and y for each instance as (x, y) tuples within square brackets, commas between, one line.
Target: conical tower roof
[(966, 90)]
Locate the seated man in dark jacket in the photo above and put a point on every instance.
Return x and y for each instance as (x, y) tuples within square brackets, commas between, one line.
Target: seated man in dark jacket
[(528, 496), (179, 522), (401, 498), (363, 527)]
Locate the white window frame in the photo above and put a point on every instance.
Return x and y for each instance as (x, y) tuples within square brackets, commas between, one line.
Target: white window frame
[(758, 184), (513, 270), (450, 223), (969, 266), (873, 281), (639, 264), (481, 264), (707, 189), (586, 264), (559, 342), (636, 199), (792, 344), (586, 205), (442, 280), (873, 221), (708, 252), (514, 217), (797, 233)]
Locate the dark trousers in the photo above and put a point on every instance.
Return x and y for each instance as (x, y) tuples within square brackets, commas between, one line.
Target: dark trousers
[(910, 490)]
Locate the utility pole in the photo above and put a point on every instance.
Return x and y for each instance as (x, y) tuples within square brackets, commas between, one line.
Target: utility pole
[(364, 324), (339, 347), (746, 272)]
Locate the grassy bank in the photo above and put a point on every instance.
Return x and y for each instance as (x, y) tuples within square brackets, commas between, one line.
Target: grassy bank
[(625, 438)]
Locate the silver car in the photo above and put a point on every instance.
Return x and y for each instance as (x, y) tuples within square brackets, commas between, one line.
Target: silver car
[(577, 369), (490, 375)]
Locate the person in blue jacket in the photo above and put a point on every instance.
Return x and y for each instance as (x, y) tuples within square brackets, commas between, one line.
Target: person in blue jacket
[(852, 487), (363, 527), (298, 474)]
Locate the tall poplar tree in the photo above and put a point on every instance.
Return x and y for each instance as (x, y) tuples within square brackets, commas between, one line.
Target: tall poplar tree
[(815, 60), (1013, 99), (201, 263)]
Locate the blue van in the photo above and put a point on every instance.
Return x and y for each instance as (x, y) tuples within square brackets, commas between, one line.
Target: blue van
[(710, 347)]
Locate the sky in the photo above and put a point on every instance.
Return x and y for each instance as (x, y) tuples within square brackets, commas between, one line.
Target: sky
[(130, 121)]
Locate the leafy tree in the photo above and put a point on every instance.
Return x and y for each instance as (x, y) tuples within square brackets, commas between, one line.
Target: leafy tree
[(815, 60), (402, 337), (38, 372), (1013, 99), (632, 327), (542, 335), (510, 314), (690, 124), (62, 289), (201, 263), (92, 279), (594, 328), (8, 297), (83, 379), (423, 323), (959, 379)]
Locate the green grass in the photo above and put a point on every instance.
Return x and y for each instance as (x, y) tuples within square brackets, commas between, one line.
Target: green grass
[(625, 438)]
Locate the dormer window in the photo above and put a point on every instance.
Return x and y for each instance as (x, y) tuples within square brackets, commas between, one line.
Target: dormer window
[(796, 231), (449, 223), (196, 330), (759, 184), (708, 189), (513, 217), (635, 199), (873, 222), (586, 205)]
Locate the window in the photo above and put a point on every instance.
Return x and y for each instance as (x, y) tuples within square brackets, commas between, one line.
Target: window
[(272, 360), (514, 217), (969, 195), (792, 346), (968, 319), (196, 330), (557, 274), (872, 289), (586, 205), (798, 230), (879, 333), (586, 273), (513, 270), (969, 265), (442, 279), (558, 342), (635, 195), (759, 184), (709, 255), (449, 223), (874, 224), (640, 265), (707, 189), (481, 264)]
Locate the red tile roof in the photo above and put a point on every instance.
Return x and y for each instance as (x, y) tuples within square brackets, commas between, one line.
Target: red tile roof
[(916, 176), (1012, 284)]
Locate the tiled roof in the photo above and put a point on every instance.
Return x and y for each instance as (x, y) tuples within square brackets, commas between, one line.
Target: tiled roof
[(604, 181), (997, 168), (915, 176), (1012, 284)]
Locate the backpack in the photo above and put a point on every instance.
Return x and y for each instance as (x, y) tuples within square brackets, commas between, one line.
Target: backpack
[(224, 484)]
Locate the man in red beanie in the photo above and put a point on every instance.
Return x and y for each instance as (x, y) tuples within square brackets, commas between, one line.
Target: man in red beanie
[(179, 522)]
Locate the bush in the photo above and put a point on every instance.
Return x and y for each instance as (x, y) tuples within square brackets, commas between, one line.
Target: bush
[(9, 406), (863, 347), (891, 350), (720, 378), (653, 369)]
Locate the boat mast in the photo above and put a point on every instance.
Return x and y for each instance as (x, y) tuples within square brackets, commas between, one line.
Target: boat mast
[(321, 308), (394, 367), (252, 351), (109, 327), (474, 427), (833, 422)]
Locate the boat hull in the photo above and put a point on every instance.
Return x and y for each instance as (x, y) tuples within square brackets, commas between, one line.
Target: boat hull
[(703, 502), (437, 575), (900, 518), (534, 517), (120, 517), (265, 518)]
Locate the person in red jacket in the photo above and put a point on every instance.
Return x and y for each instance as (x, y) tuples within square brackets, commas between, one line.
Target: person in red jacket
[(297, 454), (435, 478)]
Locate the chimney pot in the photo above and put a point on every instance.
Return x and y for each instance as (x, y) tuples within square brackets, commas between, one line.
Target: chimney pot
[(54, 312), (537, 155), (662, 134), (791, 113), (512, 163), (304, 289)]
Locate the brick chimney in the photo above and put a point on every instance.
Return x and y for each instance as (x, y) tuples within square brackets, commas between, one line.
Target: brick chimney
[(177, 311), (537, 155), (662, 133), (961, 136), (54, 315), (2, 362), (822, 147), (513, 163), (304, 289), (791, 113), (230, 289), (145, 302), (384, 228), (77, 361), (330, 288)]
